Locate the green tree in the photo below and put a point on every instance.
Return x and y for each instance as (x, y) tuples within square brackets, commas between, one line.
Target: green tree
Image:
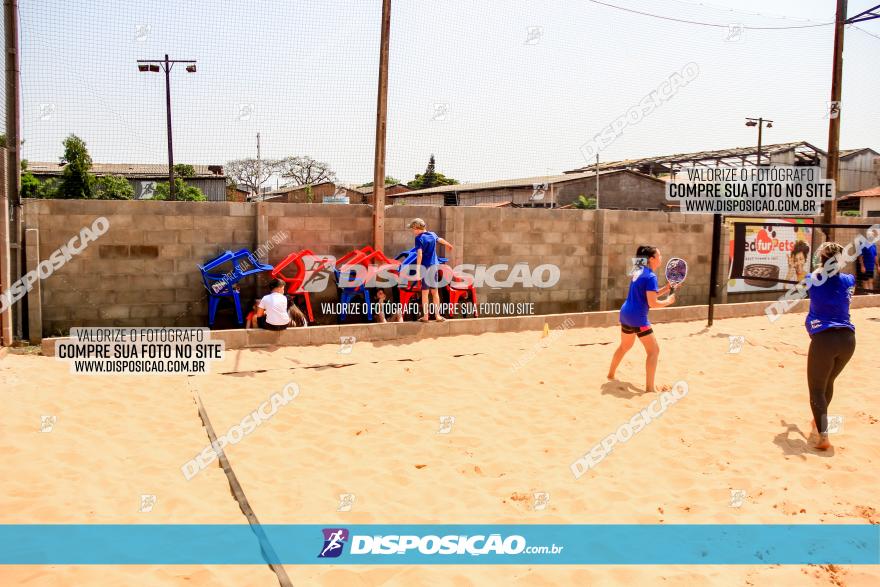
[(430, 178), (113, 187), (585, 203), (184, 170), (30, 185), (49, 189), (76, 181), (389, 180), (184, 191)]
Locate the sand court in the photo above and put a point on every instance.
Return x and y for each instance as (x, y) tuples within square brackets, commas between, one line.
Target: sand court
[(462, 429)]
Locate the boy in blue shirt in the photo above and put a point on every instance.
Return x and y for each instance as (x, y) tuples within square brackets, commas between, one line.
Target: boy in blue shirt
[(426, 259), (865, 271)]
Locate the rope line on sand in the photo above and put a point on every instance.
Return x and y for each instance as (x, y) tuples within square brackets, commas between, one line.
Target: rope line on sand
[(237, 491)]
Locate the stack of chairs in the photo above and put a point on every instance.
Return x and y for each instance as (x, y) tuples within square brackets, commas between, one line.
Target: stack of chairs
[(223, 284), (460, 286), (295, 282)]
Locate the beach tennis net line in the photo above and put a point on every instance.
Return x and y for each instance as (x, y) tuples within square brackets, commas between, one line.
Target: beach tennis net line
[(767, 253)]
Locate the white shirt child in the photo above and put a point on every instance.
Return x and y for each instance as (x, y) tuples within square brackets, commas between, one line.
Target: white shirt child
[(275, 306)]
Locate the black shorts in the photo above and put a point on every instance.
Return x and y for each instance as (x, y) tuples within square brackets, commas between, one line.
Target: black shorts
[(639, 331), (863, 276), (261, 322)]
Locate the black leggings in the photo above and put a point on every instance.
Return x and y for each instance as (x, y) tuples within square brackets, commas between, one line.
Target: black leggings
[(830, 351)]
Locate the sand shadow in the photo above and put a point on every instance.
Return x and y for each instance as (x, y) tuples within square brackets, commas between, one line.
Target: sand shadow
[(621, 389), (799, 447)]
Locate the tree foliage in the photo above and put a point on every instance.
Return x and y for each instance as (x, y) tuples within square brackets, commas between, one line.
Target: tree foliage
[(389, 180), (30, 185), (113, 187), (430, 178), (304, 170), (76, 181), (585, 203), (184, 170), (183, 191), (251, 173)]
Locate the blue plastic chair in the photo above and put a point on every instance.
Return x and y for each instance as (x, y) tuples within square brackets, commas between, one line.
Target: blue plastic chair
[(348, 293), (409, 257), (255, 266), (223, 285)]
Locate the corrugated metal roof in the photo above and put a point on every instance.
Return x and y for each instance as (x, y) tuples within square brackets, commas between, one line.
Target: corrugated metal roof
[(368, 189), (515, 183), (704, 155), (849, 152), (507, 204), (126, 169), (868, 193), (293, 188)]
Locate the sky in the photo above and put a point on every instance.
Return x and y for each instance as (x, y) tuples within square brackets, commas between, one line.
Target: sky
[(493, 89)]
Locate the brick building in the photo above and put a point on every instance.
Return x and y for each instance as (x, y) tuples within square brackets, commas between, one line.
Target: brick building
[(621, 189)]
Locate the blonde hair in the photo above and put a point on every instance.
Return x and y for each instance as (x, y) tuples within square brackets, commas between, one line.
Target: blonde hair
[(417, 223), (828, 250)]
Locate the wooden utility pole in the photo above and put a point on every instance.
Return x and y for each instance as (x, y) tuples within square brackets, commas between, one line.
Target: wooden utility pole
[(381, 120), (10, 232), (835, 110)]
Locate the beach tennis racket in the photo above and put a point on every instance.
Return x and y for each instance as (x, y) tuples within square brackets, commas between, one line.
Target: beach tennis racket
[(676, 272)]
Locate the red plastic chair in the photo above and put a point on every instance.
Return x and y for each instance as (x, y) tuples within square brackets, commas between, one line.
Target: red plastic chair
[(295, 282)]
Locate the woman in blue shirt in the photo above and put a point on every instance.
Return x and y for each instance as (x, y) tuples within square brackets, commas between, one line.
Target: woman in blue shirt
[(832, 334), (643, 295)]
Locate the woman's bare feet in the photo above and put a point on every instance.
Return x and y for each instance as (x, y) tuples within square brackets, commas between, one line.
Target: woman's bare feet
[(823, 442)]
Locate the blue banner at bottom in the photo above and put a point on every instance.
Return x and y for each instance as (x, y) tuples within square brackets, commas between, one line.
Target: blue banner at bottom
[(426, 544)]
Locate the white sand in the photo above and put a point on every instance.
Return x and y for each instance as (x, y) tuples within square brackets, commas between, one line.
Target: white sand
[(371, 429)]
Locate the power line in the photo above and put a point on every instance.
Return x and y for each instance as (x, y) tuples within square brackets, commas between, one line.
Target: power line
[(709, 24), (720, 8)]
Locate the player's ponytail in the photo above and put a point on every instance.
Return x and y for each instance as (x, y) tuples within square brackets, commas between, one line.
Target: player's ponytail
[(646, 251)]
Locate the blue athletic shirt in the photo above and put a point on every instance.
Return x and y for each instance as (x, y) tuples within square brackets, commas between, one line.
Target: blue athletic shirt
[(634, 311), (869, 256), (829, 303), (427, 242)]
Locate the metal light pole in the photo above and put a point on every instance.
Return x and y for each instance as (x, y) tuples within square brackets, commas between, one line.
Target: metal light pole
[(154, 65), (759, 122)]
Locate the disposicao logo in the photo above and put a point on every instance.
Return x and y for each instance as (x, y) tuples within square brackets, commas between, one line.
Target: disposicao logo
[(334, 540)]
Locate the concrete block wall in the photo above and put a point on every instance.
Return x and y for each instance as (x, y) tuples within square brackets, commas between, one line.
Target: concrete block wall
[(143, 271), (536, 236), (688, 236)]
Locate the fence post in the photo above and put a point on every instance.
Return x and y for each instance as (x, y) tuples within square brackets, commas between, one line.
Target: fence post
[(35, 296), (5, 253)]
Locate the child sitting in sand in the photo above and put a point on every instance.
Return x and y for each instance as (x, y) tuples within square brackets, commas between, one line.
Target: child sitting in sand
[(251, 320), (297, 318), (386, 300), (272, 310), (427, 266)]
